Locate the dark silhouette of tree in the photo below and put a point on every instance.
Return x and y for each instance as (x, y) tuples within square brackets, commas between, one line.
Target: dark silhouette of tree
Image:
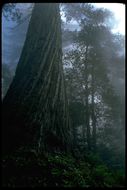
[(35, 107)]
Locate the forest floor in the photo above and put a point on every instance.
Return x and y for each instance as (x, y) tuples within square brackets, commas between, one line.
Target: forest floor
[(57, 170)]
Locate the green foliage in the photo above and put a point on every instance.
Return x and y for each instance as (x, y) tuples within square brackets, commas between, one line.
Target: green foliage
[(62, 160), (102, 176), (93, 159), (64, 167), (62, 170)]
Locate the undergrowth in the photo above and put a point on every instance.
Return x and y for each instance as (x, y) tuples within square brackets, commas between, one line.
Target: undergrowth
[(57, 170)]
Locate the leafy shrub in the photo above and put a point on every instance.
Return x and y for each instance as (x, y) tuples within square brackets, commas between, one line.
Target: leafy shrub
[(93, 159), (26, 170)]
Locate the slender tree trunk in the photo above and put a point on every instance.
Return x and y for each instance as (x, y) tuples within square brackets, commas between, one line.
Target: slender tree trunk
[(93, 110), (86, 101), (74, 136), (35, 108)]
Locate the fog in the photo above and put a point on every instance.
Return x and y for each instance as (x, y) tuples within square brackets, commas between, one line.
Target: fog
[(13, 37), (88, 93)]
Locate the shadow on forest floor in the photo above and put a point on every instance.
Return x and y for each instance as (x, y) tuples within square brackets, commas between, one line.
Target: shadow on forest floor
[(26, 169)]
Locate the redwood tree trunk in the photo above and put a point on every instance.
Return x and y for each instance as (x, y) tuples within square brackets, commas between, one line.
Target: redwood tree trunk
[(34, 108)]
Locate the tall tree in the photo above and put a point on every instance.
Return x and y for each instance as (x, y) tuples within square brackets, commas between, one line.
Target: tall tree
[(95, 36), (35, 108), (78, 88)]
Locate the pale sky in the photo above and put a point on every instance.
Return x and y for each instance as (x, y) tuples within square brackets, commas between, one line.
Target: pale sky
[(119, 11)]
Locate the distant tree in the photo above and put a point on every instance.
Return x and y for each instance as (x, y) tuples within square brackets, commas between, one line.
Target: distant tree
[(103, 48), (14, 12), (11, 12), (92, 34), (77, 82)]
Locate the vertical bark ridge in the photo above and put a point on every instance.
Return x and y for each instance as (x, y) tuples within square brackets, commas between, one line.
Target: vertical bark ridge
[(35, 104)]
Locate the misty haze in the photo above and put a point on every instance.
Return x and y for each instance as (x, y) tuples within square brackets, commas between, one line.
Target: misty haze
[(63, 95)]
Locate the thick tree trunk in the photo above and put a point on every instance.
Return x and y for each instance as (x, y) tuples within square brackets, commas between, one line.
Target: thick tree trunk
[(34, 108)]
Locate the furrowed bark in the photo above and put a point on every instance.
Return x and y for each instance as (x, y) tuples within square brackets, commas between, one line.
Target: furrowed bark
[(35, 109)]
